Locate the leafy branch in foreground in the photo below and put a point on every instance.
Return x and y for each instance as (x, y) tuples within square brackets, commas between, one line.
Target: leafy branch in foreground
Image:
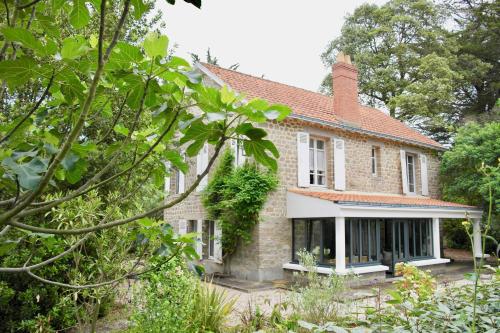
[(86, 107)]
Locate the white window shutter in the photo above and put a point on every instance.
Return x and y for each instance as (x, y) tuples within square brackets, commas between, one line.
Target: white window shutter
[(199, 237), (234, 149), (167, 178), (182, 227), (182, 182), (423, 174), (404, 174), (241, 153), (303, 159), (201, 165), (217, 243), (339, 164)]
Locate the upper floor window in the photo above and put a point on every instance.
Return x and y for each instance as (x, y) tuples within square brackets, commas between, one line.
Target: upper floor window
[(373, 160), (317, 162), (410, 172)]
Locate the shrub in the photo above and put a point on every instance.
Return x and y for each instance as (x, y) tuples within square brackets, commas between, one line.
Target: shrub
[(173, 299), (317, 298)]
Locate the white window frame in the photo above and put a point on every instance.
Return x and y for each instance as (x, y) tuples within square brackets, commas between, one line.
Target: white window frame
[(211, 239), (411, 180), (315, 162), (240, 155)]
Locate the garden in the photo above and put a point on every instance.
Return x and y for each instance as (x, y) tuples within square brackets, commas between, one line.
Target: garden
[(94, 103)]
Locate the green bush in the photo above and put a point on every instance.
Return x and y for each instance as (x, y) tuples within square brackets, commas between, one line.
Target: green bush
[(173, 299)]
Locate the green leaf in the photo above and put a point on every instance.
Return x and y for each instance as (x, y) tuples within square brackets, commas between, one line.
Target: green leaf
[(176, 62), (255, 133), (28, 174), (25, 37), (17, 72), (199, 133), (259, 150), (74, 47), (120, 129), (79, 16), (277, 112), (227, 96), (125, 54), (177, 160), (139, 8), (156, 45), (69, 161)]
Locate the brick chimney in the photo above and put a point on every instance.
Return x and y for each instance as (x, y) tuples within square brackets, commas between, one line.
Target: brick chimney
[(345, 90)]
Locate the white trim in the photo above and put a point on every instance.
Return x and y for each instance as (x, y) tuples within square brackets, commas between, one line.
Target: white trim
[(315, 168), (303, 206), (436, 242), (328, 270), (428, 262), (423, 174), (413, 173), (302, 159), (340, 243), (339, 164)]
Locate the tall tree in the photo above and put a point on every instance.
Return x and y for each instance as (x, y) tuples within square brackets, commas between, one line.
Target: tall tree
[(411, 64), (91, 107)]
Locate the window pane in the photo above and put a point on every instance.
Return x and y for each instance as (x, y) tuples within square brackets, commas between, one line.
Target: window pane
[(355, 240), (364, 241), (347, 241), (329, 242), (411, 175), (212, 239), (321, 160), (373, 240), (311, 159), (315, 239), (299, 237), (320, 144)]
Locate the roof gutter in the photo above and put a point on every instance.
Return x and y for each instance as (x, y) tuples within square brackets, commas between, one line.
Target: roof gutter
[(345, 127)]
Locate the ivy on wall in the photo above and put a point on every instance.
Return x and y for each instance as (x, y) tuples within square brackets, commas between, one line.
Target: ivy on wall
[(234, 198)]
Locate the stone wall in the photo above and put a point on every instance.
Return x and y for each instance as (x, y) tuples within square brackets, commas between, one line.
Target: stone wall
[(272, 238)]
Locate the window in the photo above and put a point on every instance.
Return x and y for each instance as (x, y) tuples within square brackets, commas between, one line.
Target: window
[(192, 226), (375, 152), (362, 239), (208, 238), (410, 171), (316, 236), (317, 162)]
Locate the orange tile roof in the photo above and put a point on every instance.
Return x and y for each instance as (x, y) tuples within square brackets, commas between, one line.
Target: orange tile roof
[(317, 106), (379, 199)]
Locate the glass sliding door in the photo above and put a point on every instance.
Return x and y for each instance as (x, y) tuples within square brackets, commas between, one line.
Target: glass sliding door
[(362, 241)]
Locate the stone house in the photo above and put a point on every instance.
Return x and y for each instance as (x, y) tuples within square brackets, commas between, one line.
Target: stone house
[(357, 188)]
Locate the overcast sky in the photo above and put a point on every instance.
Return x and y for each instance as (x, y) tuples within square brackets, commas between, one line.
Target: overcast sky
[(281, 39)]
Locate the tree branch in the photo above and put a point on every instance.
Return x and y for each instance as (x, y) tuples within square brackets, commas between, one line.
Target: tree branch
[(74, 132), (129, 219), (131, 274), (29, 4)]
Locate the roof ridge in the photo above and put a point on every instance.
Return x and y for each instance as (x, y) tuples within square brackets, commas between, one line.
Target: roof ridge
[(263, 79)]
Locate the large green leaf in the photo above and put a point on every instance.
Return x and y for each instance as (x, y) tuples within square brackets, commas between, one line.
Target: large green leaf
[(259, 150), (17, 72), (176, 159), (79, 16), (156, 45), (125, 54), (74, 47), (28, 174), (139, 8), (25, 37)]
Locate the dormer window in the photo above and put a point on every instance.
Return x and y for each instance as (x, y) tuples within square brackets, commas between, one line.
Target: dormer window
[(317, 162), (410, 172)]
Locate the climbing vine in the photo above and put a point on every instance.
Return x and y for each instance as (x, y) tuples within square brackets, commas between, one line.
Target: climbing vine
[(234, 198)]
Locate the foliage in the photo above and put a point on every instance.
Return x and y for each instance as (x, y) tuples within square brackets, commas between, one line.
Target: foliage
[(92, 102), (174, 300), (471, 168), (454, 235), (318, 299), (424, 69), (234, 197), (253, 319)]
